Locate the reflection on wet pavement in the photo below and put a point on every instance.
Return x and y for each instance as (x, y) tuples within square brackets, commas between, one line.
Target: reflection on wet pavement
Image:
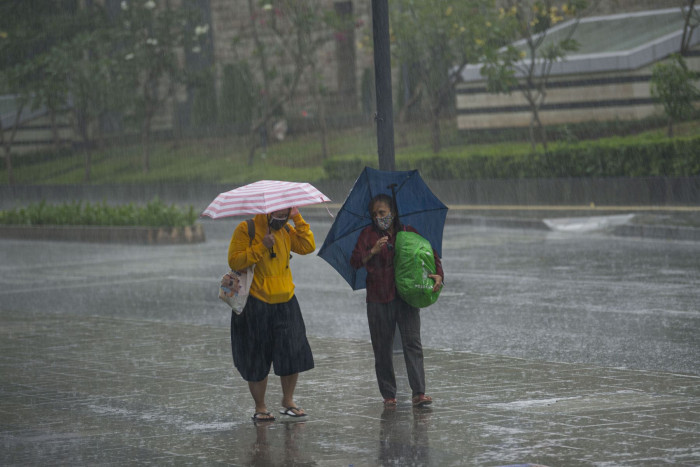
[(543, 349), (101, 391)]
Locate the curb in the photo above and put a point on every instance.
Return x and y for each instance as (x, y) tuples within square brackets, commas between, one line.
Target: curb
[(503, 222), (669, 232), (106, 234), (653, 231)]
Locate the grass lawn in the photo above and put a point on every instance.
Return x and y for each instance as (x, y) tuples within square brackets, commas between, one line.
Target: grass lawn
[(298, 158)]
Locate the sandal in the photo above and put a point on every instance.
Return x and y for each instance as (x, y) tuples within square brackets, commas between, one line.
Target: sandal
[(292, 412), (421, 400), (262, 417), (390, 402)]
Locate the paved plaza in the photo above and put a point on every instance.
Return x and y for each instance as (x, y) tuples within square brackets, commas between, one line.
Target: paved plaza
[(120, 355), (100, 391)]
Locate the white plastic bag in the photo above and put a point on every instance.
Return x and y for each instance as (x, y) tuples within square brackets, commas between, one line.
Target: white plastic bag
[(234, 288)]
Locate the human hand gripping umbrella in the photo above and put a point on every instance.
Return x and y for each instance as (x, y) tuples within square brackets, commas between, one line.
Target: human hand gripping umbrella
[(416, 205)]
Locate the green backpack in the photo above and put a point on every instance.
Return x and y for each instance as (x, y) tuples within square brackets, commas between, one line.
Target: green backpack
[(413, 261)]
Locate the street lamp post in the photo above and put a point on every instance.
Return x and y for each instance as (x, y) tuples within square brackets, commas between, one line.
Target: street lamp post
[(382, 81), (385, 107)]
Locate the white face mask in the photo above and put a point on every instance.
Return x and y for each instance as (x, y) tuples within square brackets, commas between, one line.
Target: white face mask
[(384, 222)]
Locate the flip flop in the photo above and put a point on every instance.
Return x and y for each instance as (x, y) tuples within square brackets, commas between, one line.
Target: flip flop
[(421, 400), (263, 417), (291, 412)]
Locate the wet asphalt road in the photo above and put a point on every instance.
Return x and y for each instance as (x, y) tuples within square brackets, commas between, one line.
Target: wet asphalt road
[(593, 298)]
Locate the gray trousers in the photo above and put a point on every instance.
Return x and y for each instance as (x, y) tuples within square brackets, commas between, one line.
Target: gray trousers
[(383, 319)]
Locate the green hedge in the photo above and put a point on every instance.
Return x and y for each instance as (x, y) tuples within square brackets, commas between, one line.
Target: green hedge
[(570, 132), (663, 157), (154, 214)]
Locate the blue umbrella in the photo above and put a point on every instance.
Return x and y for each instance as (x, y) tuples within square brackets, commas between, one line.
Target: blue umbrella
[(417, 206)]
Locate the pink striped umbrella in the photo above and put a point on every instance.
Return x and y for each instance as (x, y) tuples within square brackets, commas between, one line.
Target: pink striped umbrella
[(263, 197)]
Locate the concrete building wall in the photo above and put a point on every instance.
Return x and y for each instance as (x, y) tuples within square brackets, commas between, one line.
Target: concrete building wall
[(36, 133), (598, 87)]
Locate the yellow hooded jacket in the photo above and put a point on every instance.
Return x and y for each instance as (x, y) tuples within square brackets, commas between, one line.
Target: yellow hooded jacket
[(272, 281)]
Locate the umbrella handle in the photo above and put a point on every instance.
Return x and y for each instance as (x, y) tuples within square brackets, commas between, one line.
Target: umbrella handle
[(392, 187), (272, 248)]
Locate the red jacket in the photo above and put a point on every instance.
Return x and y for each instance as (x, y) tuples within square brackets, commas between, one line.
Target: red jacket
[(381, 287)]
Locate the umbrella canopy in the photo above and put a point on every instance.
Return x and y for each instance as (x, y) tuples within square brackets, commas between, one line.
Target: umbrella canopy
[(263, 197), (416, 204)]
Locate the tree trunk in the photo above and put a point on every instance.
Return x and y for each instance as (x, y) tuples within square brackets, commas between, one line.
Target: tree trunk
[(403, 117), (687, 29), (146, 137), (435, 133), (85, 134), (323, 126), (541, 133), (88, 163), (8, 166), (54, 130), (146, 143), (321, 108), (82, 128), (253, 139), (8, 144), (531, 132)]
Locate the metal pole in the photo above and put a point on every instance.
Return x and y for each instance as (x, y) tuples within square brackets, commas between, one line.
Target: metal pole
[(382, 82), (385, 106)]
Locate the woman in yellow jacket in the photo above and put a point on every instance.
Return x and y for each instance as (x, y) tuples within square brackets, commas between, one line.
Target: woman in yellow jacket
[(271, 330)]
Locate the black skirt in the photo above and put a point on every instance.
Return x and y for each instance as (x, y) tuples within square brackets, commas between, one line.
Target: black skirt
[(267, 334)]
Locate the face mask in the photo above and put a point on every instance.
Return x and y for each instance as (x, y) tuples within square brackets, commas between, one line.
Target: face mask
[(277, 223), (384, 222)]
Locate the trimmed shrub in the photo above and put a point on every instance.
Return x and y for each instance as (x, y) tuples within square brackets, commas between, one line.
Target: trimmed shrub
[(153, 214), (663, 157)]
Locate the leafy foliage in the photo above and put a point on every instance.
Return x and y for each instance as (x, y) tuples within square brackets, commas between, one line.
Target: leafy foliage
[(109, 62), (153, 214), (436, 39), (287, 36), (527, 64), (672, 85)]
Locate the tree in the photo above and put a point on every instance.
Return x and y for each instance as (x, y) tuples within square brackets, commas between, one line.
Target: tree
[(436, 39), (531, 61), (126, 64), (12, 79), (287, 35), (238, 95), (672, 85), (28, 29), (690, 23), (93, 73), (150, 35)]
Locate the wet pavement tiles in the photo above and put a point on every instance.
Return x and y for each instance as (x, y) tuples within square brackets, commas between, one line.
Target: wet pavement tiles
[(87, 390)]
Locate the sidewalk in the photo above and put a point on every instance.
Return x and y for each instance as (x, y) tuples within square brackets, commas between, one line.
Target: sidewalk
[(101, 391)]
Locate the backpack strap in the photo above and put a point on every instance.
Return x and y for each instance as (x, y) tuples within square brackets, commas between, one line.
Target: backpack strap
[(251, 230)]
